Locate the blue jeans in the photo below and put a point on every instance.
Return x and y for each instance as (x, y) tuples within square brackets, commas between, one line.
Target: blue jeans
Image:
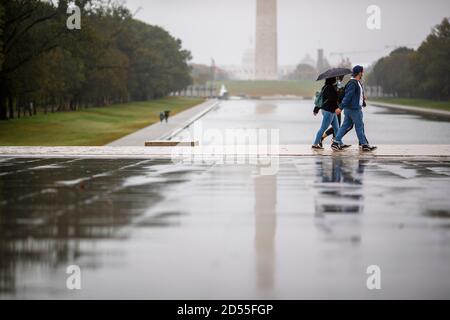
[(352, 116), (328, 118)]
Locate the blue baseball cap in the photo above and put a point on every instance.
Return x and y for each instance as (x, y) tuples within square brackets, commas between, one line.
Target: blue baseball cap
[(357, 69)]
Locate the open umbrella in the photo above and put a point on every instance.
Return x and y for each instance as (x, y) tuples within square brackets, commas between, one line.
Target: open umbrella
[(334, 72)]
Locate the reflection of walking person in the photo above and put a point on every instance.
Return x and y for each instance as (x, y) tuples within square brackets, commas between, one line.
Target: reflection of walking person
[(352, 103)]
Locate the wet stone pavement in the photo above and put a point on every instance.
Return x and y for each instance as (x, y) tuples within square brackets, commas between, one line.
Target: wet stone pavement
[(157, 229)]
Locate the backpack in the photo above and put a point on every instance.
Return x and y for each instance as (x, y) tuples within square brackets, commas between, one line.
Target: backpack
[(318, 101)]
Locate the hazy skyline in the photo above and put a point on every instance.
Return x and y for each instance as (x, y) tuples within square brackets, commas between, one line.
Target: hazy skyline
[(222, 29)]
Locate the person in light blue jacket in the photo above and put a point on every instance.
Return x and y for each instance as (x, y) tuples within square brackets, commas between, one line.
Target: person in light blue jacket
[(352, 104)]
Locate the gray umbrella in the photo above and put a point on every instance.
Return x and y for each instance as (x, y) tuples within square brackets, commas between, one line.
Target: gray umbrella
[(334, 72)]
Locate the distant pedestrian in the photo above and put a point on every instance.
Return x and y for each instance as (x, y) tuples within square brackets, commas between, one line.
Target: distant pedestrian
[(161, 116), (166, 115), (352, 103)]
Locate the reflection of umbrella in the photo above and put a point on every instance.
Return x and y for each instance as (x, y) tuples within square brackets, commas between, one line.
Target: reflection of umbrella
[(334, 72)]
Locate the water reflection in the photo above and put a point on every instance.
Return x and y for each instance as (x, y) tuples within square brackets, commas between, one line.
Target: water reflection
[(47, 214), (213, 229), (265, 227), (339, 198), (263, 108)]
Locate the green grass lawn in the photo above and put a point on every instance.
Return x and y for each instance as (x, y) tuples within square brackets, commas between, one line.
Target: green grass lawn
[(90, 127), (422, 103), (268, 88)]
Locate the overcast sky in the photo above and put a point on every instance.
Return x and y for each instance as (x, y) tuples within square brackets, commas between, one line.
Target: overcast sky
[(222, 29)]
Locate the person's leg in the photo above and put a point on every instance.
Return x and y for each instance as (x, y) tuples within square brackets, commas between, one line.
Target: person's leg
[(365, 136), (329, 132), (357, 117), (326, 121), (348, 130), (348, 122), (335, 123)]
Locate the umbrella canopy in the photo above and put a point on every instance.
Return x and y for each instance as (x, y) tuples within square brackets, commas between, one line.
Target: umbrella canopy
[(334, 72)]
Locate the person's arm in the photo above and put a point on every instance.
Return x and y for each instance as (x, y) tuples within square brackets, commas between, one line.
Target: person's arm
[(341, 93), (316, 110)]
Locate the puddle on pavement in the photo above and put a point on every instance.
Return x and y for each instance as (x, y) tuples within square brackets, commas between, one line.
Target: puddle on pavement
[(158, 229)]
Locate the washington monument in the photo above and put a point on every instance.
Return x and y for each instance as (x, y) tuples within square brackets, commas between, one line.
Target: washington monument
[(266, 61)]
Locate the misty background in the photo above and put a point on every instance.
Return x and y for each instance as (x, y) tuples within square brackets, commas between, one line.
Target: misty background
[(223, 30)]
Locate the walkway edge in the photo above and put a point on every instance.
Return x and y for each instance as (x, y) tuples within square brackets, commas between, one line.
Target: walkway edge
[(164, 130), (430, 111), (400, 151), (189, 122)]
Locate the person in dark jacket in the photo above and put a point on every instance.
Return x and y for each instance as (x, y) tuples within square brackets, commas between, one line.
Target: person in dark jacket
[(330, 132), (329, 106), (166, 115), (352, 103)]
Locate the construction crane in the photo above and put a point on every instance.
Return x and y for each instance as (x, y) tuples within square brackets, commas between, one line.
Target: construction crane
[(346, 53)]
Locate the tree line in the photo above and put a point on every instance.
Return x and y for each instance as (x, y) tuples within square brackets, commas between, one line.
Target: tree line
[(202, 74), (113, 58), (422, 73)]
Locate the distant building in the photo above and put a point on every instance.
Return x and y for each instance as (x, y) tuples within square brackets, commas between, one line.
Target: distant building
[(322, 62), (308, 60), (248, 63), (345, 63), (245, 71), (238, 72), (266, 46), (285, 71)]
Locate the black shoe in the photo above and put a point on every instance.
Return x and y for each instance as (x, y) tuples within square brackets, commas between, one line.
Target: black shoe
[(346, 146), (336, 147), (321, 142), (317, 147), (368, 148)]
